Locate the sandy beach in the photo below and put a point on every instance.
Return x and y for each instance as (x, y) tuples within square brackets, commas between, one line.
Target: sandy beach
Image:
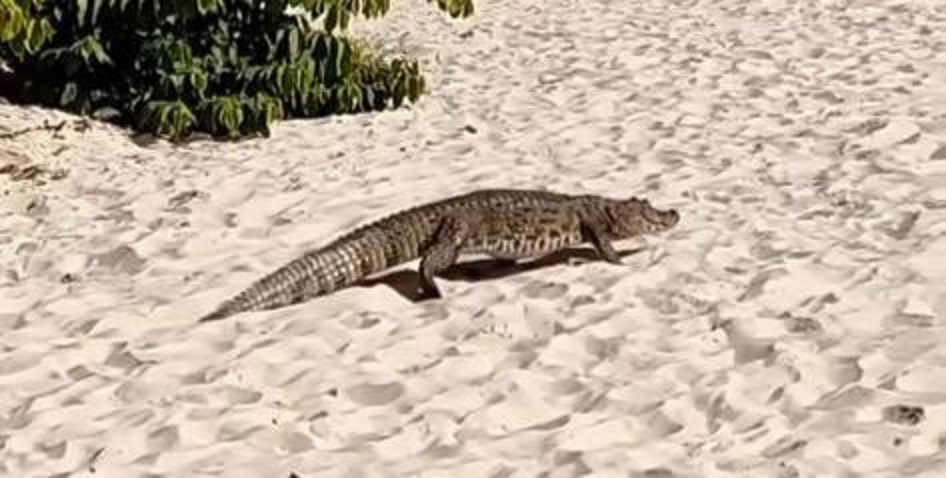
[(792, 325)]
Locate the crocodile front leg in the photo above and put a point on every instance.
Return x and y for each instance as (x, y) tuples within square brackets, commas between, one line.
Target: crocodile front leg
[(594, 227), (441, 253)]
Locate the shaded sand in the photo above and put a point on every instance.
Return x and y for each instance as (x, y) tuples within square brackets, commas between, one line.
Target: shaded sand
[(791, 326)]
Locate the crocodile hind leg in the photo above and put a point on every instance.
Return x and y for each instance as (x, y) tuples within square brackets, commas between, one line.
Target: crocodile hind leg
[(441, 254)]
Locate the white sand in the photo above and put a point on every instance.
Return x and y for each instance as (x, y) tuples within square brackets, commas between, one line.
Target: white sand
[(803, 293)]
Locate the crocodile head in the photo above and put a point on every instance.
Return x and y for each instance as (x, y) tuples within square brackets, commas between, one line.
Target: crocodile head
[(637, 216)]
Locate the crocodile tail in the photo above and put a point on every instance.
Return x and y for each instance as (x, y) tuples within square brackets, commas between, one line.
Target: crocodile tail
[(344, 262), (221, 312), (280, 288)]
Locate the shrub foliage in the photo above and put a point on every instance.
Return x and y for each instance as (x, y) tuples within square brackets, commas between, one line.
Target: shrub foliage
[(224, 67)]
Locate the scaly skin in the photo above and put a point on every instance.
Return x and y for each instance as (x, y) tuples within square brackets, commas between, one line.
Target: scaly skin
[(503, 223)]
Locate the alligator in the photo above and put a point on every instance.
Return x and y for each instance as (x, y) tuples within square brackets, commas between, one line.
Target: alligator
[(506, 224)]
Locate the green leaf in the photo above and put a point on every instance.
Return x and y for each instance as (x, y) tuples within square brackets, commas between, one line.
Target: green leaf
[(198, 81), (279, 80), (341, 54), (106, 113), (207, 6), (233, 117), (294, 43), (69, 93), (96, 9), (82, 7), (91, 48), (179, 120), (12, 22), (39, 34)]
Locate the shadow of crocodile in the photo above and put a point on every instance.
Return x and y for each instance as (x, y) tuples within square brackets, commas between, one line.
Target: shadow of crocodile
[(405, 281)]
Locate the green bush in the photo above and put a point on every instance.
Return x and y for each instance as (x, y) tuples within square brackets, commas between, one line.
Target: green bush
[(19, 30), (225, 67)]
